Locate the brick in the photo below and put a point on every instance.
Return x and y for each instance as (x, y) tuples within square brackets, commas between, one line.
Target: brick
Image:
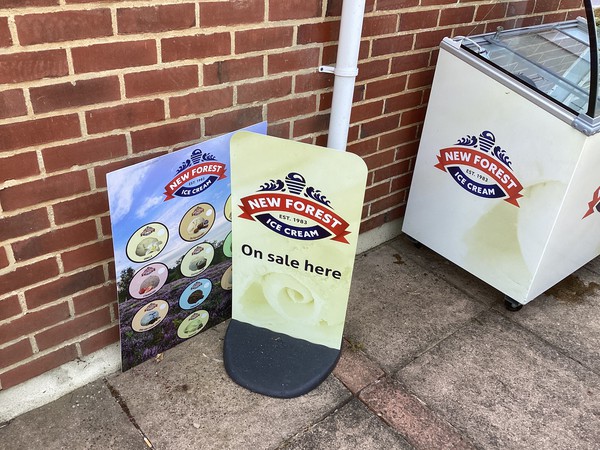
[(165, 135), (413, 116), (54, 240), (124, 116), (8, 4), (366, 111), (39, 131), (309, 125), (405, 100), (439, 2), (384, 88), (45, 189), (419, 20), (313, 82), (379, 159), (33, 321), (420, 79), (9, 307), (293, 61), (232, 120), (75, 94), (115, 55), (264, 90), (406, 151), (402, 182), (82, 153), (318, 32), (63, 26), (236, 12), (413, 61), (81, 208), (233, 70), (398, 137), (195, 47), (201, 102), (62, 287), (546, 6), (21, 165), (380, 25), (258, 40), (30, 66), (364, 147), (390, 45), (100, 296), (372, 69), (23, 224), (294, 107), (388, 202), (387, 172), (38, 366), (156, 19), (4, 262), (71, 329), (94, 253), (383, 5), (281, 130), (452, 16), (295, 9), (431, 39), (5, 37), (14, 353), (166, 80), (379, 190), (12, 104), (100, 340), (491, 12)]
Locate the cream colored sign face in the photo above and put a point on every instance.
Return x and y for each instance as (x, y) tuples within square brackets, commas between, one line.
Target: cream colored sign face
[(295, 227)]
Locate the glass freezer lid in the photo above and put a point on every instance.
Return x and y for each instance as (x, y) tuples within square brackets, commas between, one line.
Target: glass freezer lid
[(558, 60), (554, 59)]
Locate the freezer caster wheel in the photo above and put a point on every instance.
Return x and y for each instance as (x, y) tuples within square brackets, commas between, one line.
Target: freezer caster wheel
[(511, 304), (414, 242)]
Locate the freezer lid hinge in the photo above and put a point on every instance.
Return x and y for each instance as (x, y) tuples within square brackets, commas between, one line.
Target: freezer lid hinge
[(586, 125)]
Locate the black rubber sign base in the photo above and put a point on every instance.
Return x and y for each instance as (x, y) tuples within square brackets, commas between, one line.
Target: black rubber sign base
[(275, 364)]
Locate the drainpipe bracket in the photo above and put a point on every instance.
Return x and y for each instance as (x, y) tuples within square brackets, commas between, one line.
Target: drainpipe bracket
[(339, 71)]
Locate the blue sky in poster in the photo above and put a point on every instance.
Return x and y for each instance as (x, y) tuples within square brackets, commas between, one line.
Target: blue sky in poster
[(136, 197)]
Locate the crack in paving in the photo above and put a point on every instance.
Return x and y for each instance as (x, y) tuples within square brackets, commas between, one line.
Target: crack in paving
[(123, 404)]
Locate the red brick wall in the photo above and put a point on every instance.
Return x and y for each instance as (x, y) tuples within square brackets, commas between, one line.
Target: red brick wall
[(89, 86)]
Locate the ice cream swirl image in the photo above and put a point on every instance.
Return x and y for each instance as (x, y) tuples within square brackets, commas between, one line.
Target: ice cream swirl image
[(283, 303)]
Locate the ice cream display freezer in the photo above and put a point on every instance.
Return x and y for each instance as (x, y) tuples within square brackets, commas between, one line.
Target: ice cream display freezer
[(507, 177)]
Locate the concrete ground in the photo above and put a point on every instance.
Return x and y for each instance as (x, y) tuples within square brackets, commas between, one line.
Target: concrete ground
[(431, 360)]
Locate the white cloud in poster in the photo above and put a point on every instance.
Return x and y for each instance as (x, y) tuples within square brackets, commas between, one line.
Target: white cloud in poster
[(122, 188), (148, 203)]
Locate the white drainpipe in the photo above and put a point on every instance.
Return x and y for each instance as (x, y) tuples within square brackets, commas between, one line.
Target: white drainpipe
[(345, 71)]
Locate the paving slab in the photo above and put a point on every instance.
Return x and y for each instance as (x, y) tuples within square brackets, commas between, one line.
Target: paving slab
[(397, 309), (87, 418), (455, 275), (503, 387), (187, 401), (408, 415), (568, 316), (355, 369), (351, 427)]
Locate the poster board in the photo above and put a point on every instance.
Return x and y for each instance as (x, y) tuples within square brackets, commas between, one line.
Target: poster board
[(296, 217), (171, 226)]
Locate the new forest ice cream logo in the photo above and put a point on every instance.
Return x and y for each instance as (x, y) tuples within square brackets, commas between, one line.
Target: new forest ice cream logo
[(593, 204), (481, 167), (195, 175), (292, 209)]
